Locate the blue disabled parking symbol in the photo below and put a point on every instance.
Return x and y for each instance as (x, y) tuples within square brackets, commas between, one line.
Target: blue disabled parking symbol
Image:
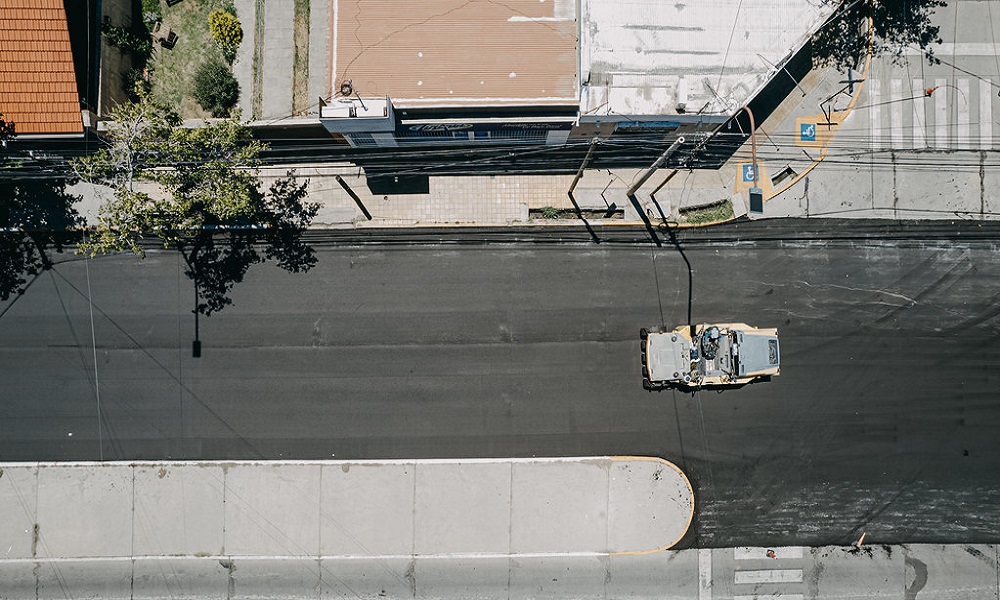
[(807, 132), (748, 173)]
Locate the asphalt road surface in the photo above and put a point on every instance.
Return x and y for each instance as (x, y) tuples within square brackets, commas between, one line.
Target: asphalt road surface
[(885, 418)]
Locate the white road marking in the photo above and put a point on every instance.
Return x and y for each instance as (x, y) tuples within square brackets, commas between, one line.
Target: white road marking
[(770, 597), (941, 114), (919, 117), (751, 553), (873, 112), (345, 557), (962, 99), (962, 49), (985, 115), (524, 19), (769, 576), (704, 574), (896, 112), (334, 86), (321, 462)]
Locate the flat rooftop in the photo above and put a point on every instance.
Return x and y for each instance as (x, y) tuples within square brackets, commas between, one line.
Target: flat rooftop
[(457, 52), (608, 57), (647, 57)]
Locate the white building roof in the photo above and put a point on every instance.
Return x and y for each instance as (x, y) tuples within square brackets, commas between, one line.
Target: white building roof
[(645, 57), (624, 57)]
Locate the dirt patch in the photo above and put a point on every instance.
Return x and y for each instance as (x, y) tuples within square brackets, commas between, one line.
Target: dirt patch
[(300, 78), (554, 214)]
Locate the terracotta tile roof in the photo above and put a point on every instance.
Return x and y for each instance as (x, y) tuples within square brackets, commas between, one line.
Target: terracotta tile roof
[(37, 81)]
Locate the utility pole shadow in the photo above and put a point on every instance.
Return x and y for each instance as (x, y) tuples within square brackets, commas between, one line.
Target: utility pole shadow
[(579, 215), (672, 234), (650, 229)]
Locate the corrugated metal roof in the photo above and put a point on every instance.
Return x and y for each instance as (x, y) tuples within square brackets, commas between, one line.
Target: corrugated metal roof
[(37, 81), (457, 52)]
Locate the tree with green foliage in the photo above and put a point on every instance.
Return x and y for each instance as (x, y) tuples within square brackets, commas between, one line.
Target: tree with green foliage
[(215, 89), (226, 31), (201, 195), (891, 27), (133, 41)]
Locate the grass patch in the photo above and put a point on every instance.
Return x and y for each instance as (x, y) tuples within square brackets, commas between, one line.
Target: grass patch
[(300, 78), (174, 69), (550, 212), (722, 211)]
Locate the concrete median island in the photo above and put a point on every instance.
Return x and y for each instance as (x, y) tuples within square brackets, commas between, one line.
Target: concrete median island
[(202, 529)]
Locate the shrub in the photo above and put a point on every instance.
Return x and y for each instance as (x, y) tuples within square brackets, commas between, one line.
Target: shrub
[(215, 89), (134, 42), (226, 31), (136, 82), (151, 12), (550, 212)]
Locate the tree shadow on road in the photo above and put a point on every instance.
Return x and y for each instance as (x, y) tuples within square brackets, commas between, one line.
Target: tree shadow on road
[(37, 217), (218, 257)]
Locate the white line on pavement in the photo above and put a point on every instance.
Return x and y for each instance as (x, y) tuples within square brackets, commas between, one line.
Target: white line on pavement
[(331, 557), (874, 123), (896, 112), (704, 574), (962, 49), (919, 117), (770, 597), (963, 114), (769, 576), (985, 115), (750, 553), (334, 85), (334, 462), (941, 114)]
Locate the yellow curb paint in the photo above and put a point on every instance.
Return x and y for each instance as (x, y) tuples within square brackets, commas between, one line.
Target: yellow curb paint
[(690, 518), (763, 180), (824, 129), (845, 113)]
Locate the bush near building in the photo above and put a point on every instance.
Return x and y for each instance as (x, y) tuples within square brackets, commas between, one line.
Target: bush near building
[(151, 12), (135, 42), (226, 31), (215, 89)]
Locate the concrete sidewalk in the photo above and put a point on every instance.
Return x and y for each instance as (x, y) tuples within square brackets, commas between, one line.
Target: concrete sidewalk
[(84, 526), (908, 572), (850, 166), (516, 528), (879, 148)]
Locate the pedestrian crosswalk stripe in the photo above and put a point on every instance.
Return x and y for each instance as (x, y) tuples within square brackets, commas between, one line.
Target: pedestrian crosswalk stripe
[(704, 574), (985, 116), (769, 576), (896, 113), (940, 114), (750, 553), (919, 116), (962, 102)]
